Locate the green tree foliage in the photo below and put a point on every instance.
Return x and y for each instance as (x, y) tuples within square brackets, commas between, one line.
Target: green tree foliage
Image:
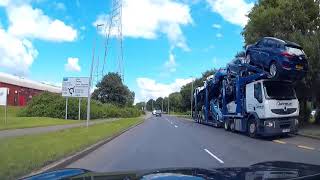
[(175, 100), (150, 105), (140, 105), (158, 104), (111, 90), (296, 21)]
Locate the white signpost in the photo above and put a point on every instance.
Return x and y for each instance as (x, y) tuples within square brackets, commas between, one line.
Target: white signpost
[(75, 87), (3, 101)]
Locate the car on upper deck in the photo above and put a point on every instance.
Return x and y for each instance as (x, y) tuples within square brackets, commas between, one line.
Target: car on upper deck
[(282, 59)]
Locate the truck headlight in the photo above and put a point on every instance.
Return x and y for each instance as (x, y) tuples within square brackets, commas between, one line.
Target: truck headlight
[(296, 122), (269, 123)]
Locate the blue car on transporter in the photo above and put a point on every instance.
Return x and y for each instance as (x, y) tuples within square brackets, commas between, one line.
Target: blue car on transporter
[(282, 59)]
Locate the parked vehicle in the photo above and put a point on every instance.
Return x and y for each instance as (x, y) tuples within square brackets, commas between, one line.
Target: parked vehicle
[(254, 104), (235, 66), (282, 59)]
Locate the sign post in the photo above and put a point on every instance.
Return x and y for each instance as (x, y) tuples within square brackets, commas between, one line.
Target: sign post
[(66, 117), (3, 101), (75, 87), (79, 108)]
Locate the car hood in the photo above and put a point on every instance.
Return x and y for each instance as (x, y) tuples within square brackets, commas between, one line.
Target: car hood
[(265, 170)]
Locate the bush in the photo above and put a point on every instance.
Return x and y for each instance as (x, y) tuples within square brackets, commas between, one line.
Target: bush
[(53, 105)]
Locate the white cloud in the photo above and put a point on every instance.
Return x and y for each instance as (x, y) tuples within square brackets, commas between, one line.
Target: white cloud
[(219, 35), (171, 64), (17, 55), (59, 6), (27, 22), (149, 88), (147, 18), (233, 11), (217, 26), (72, 65)]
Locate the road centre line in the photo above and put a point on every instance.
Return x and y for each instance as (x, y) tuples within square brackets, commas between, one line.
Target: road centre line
[(306, 147), (278, 141), (214, 156)]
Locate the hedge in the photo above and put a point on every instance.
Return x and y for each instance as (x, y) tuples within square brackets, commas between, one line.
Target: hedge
[(53, 105)]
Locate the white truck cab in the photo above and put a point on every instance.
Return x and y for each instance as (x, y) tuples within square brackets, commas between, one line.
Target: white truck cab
[(274, 103)]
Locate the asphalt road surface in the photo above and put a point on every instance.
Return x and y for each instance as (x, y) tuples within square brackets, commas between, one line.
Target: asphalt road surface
[(165, 142)]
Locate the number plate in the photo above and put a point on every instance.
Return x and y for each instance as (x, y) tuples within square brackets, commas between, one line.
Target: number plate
[(285, 130), (299, 67)]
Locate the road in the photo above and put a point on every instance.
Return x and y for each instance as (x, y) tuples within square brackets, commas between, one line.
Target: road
[(162, 142)]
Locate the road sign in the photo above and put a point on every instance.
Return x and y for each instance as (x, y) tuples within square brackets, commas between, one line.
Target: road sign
[(3, 96), (75, 87)]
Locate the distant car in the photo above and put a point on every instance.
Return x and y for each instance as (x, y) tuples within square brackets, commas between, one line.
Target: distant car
[(158, 113), (154, 112), (279, 57), (235, 66)]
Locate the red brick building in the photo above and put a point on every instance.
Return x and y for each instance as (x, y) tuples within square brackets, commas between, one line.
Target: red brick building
[(22, 90)]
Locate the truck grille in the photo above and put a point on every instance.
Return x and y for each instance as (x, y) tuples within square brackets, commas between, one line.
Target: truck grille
[(283, 112)]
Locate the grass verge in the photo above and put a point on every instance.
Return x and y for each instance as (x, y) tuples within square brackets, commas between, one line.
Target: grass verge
[(21, 155), (14, 122), (29, 122)]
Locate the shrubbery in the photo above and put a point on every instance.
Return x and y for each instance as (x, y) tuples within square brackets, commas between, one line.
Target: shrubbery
[(53, 105)]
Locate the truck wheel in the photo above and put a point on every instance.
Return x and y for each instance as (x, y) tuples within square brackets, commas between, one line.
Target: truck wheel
[(226, 126), (232, 126), (252, 128)]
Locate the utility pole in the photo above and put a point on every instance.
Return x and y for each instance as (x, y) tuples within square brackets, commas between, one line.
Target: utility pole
[(191, 97), (90, 78), (162, 105), (152, 104), (169, 104)]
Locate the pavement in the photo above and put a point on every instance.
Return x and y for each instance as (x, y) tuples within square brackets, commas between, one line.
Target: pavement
[(39, 130), (167, 141)]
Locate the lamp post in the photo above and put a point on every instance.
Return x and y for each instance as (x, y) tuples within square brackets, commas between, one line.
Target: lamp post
[(191, 97)]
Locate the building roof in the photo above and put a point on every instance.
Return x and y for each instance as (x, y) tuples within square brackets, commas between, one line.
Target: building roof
[(19, 81)]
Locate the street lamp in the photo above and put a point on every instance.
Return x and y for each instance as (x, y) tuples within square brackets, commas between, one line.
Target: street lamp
[(90, 78)]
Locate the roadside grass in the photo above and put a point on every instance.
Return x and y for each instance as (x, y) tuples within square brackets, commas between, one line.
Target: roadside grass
[(14, 122), (28, 122), (21, 155)]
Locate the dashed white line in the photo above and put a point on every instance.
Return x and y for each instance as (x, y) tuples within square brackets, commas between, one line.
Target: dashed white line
[(214, 156), (175, 126)]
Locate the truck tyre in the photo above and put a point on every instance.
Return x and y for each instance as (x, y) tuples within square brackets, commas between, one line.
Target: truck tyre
[(252, 128), (226, 126), (232, 126)]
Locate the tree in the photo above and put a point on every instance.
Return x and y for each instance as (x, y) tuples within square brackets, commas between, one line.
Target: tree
[(150, 105), (175, 102), (140, 105), (158, 103), (111, 90), (296, 21)]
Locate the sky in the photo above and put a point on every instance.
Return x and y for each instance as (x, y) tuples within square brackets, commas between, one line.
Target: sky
[(165, 43)]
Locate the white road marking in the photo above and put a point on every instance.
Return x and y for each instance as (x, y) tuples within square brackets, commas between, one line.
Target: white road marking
[(175, 126), (213, 156)]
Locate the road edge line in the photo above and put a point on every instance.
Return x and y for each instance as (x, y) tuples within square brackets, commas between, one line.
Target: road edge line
[(59, 164)]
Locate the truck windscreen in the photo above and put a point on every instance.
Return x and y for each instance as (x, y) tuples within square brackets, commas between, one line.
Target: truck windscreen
[(278, 90)]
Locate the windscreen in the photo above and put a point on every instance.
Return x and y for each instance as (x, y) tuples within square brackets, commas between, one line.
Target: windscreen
[(278, 90), (294, 50)]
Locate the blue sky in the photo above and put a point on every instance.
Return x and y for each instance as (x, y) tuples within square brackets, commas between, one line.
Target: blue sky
[(165, 42)]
